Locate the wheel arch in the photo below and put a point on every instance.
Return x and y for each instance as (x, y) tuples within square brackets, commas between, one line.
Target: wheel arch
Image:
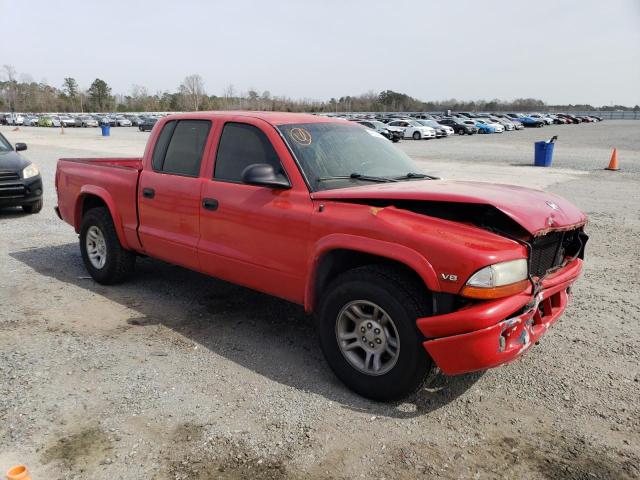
[(94, 197), (339, 253)]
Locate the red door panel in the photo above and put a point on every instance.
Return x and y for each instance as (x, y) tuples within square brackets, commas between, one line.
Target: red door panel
[(257, 237), (170, 221)]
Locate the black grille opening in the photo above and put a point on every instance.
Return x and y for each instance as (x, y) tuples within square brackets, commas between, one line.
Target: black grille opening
[(9, 176), (550, 250)]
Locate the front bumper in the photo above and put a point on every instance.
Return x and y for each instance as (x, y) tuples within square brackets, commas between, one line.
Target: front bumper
[(496, 332), (20, 192)]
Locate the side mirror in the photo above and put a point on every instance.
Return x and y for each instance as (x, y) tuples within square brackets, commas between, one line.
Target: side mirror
[(20, 147), (263, 174)]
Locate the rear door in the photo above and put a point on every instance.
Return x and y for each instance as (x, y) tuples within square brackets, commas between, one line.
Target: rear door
[(169, 192)]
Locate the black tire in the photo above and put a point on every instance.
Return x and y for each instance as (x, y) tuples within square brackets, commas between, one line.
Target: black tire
[(33, 207), (120, 263), (404, 300), (416, 136), (461, 131)]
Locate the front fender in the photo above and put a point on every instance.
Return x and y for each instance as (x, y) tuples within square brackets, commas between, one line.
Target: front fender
[(393, 251), (106, 197)]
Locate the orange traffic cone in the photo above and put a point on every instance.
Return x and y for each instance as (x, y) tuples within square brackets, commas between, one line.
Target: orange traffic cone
[(19, 472), (613, 163)]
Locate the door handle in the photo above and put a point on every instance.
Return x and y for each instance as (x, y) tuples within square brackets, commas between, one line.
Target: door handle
[(210, 203), (148, 192)]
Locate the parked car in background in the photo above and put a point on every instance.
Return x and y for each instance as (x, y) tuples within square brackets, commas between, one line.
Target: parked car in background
[(134, 119), (495, 123), (15, 119), (545, 118), (441, 130), (414, 129), (147, 124), (30, 121), (45, 121), (484, 127), (569, 118), (507, 124), (459, 126), (67, 121), (86, 121), (526, 120), (121, 121), (382, 129), (20, 181)]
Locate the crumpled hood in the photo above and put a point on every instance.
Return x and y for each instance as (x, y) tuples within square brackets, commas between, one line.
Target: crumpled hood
[(535, 210)]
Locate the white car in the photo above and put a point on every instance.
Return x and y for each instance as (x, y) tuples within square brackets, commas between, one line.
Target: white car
[(413, 129), (15, 119), (441, 130), (498, 127), (545, 118), (122, 122)]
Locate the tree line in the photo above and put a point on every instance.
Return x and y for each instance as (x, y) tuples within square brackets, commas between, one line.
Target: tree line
[(27, 95)]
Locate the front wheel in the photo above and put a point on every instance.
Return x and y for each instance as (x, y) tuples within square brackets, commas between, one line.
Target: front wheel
[(368, 334), (103, 255), (417, 136)]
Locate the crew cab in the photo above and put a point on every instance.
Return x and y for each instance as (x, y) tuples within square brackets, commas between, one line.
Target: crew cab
[(403, 272)]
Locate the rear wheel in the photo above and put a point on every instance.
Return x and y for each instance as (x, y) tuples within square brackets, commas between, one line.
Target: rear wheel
[(105, 259), (368, 333)]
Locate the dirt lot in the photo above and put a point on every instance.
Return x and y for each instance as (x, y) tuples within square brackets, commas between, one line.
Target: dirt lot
[(175, 375)]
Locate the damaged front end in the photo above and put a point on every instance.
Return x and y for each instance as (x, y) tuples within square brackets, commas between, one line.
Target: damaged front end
[(466, 335), (488, 334)]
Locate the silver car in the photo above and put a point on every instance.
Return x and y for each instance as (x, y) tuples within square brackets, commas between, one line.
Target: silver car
[(86, 121)]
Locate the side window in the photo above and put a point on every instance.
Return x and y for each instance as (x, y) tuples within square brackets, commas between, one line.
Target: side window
[(242, 145), (161, 145), (180, 147)]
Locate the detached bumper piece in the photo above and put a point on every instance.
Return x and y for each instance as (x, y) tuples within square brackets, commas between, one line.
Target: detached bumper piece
[(493, 333)]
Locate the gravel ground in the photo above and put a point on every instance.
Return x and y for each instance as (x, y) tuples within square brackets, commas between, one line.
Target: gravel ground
[(175, 375)]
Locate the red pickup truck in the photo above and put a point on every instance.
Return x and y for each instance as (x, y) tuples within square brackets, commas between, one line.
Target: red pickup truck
[(403, 271)]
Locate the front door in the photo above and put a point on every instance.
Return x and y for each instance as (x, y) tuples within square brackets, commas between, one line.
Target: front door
[(253, 235)]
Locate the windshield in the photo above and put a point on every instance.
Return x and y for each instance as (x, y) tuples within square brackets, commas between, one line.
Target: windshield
[(4, 145), (326, 150)]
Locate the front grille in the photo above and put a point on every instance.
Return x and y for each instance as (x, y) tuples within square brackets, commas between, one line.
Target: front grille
[(12, 190), (550, 250), (9, 176), (544, 253)]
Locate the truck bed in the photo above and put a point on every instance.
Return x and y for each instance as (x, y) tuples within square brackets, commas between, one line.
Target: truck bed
[(113, 179), (125, 162)]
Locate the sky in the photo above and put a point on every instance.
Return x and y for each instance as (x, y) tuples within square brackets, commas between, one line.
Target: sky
[(560, 51)]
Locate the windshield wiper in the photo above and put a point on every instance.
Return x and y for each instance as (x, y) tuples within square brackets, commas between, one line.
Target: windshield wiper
[(416, 175), (359, 176)]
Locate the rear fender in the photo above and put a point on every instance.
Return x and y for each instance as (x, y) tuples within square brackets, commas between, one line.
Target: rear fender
[(392, 251), (106, 197)]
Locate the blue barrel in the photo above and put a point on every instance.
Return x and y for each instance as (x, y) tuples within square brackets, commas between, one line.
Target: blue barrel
[(543, 154), (106, 129)]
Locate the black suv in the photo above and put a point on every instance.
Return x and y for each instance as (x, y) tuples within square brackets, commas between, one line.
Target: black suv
[(20, 181)]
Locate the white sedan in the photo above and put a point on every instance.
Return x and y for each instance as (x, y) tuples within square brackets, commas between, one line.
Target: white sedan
[(413, 129)]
